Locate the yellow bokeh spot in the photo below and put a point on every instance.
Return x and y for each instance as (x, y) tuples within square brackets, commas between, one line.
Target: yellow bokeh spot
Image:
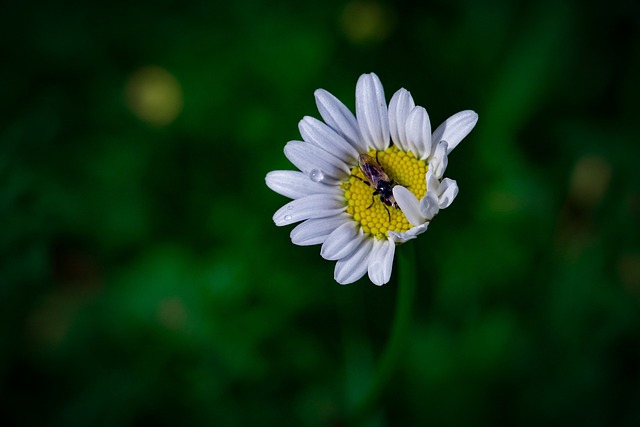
[(366, 21), (590, 180), (368, 210), (154, 95)]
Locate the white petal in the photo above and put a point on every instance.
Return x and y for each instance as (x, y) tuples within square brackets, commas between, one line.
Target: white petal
[(455, 128), (381, 261), (418, 129), (447, 192), (339, 118), (318, 133), (313, 206), (433, 184), (316, 230), (429, 206), (354, 266), (342, 241), (371, 111), (409, 205), (295, 184), (410, 234), (439, 161), (400, 106), (311, 159)]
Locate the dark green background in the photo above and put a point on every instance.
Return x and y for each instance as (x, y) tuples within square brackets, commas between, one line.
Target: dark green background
[(142, 279)]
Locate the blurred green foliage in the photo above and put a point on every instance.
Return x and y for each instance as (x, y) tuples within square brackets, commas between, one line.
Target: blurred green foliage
[(143, 281)]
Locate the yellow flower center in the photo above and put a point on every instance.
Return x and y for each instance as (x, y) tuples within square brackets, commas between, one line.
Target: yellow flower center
[(376, 218)]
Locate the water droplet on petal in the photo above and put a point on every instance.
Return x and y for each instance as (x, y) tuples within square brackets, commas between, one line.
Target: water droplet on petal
[(290, 207), (287, 217), (316, 175)]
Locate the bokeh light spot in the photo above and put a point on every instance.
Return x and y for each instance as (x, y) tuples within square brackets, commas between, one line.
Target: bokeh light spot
[(589, 180), (172, 313), (366, 21), (629, 272), (154, 95)]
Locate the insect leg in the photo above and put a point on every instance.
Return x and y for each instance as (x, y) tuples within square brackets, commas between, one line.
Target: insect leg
[(375, 193), (357, 177), (373, 198)]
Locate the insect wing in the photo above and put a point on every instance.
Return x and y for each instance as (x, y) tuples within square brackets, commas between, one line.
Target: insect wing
[(372, 170)]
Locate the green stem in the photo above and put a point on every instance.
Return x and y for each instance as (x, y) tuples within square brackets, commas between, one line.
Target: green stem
[(399, 334)]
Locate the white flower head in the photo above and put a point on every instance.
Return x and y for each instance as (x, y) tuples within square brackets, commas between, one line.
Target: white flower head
[(367, 182)]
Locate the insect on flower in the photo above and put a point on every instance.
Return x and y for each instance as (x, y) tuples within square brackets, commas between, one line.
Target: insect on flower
[(332, 186), (379, 180)]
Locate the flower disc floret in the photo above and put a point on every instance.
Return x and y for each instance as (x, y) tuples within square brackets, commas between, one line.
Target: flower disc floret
[(368, 210)]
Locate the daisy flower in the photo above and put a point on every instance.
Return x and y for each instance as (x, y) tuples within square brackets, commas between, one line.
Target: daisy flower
[(359, 220)]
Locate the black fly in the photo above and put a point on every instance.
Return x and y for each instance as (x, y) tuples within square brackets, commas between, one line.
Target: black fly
[(379, 180)]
